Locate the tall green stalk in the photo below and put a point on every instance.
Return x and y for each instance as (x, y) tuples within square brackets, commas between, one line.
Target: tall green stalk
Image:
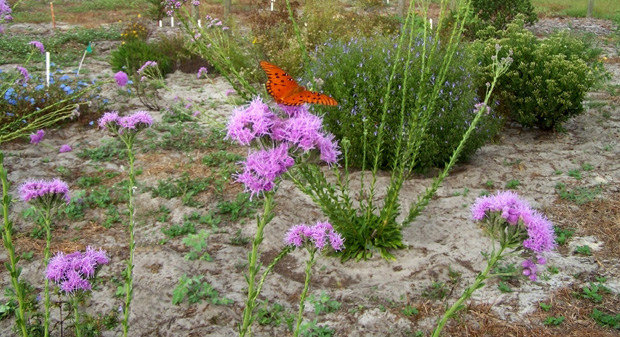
[(300, 40), (132, 241), (76, 315), (11, 266), (47, 218), (253, 268), (304, 293)]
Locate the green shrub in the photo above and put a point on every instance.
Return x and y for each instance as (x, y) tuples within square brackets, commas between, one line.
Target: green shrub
[(356, 74), (547, 81), (499, 13), (132, 54)]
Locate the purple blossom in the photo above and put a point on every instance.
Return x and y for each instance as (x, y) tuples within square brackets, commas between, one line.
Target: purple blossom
[(328, 147), (482, 106), (65, 148), (247, 124), (108, 118), (294, 110), (201, 71), (320, 235), (136, 121), (303, 130), (121, 78), (527, 223), (44, 191), (38, 45), (37, 137), (146, 65), (71, 272), (24, 73), (229, 92), (263, 167)]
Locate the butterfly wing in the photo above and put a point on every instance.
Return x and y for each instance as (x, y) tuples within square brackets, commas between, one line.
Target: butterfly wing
[(285, 90)]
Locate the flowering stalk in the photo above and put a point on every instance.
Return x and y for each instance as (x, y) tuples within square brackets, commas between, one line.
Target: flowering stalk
[(132, 241), (14, 271), (253, 269), (510, 220), (45, 196), (126, 128), (304, 293)]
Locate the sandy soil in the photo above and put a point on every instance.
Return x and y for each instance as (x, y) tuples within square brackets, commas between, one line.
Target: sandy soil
[(371, 292)]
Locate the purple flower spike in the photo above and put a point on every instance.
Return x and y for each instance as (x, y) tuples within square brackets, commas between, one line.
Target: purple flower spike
[(24, 73), (38, 45), (201, 71), (255, 121), (72, 272), (40, 190), (263, 167), (319, 235), (146, 65), (137, 121), (329, 149), (37, 137), (65, 148), (121, 78), (515, 215), (107, 119)]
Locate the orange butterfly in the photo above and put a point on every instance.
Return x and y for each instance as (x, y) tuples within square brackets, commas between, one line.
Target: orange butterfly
[(285, 90)]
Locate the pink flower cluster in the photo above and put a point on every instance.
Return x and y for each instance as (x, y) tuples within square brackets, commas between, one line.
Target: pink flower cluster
[(318, 235), (135, 122), (298, 130), (71, 272), (516, 211), (37, 137), (35, 190)]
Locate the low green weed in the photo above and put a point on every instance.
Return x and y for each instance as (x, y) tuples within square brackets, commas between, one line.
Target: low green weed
[(583, 250), (110, 149), (436, 291), (409, 310), (184, 187), (555, 321), (579, 195), (513, 184), (606, 320), (504, 287), (239, 240), (312, 329), (562, 235), (594, 292), (274, 315), (195, 290), (545, 306), (197, 243), (323, 304), (241, 207)]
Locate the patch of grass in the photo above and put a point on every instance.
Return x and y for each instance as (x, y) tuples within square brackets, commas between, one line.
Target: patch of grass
[(196, 290), (579, 195), (274, 315), (437, 291), (583, 250), (66, 46), (555, 321), (239, 208), (111, 149), (183, 187), (576, 173), (606, 320), (603, 9)]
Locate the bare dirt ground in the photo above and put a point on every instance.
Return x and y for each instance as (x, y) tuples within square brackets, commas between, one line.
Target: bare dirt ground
[(373, 292)]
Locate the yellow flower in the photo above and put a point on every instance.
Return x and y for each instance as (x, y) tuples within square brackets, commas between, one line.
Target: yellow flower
[(139, 15), (255, 40)]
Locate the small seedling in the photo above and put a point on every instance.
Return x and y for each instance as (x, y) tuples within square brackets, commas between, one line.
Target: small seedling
[(513, 184), (604, 319), (562, 235), (197, 243), (409, 310), (575, 174), (545, 306), (594, 292), (554, 320), (312, 329), (504, 287), (583, 250), (587, 167), (489, 184), (195, 290), (437, 291), (324, 304)]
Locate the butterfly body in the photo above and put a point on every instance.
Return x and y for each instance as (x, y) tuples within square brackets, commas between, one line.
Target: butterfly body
[(285, 90)]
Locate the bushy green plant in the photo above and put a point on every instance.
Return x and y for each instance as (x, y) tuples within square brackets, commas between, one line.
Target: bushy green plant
[(499, 13), (135, 30), (26, 102), (355, 72), (132, 54), (547, 83)]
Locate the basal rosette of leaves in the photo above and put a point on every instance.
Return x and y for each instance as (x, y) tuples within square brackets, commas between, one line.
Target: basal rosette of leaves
[(548, 80), (22, 102), (356, 72)]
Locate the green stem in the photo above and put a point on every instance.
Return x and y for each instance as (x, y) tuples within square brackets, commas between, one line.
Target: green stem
[(46, 257), (253, 269), (76, 316), (300, 41), (478, 283), (302, 299), (20, 315), (132, 243)]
